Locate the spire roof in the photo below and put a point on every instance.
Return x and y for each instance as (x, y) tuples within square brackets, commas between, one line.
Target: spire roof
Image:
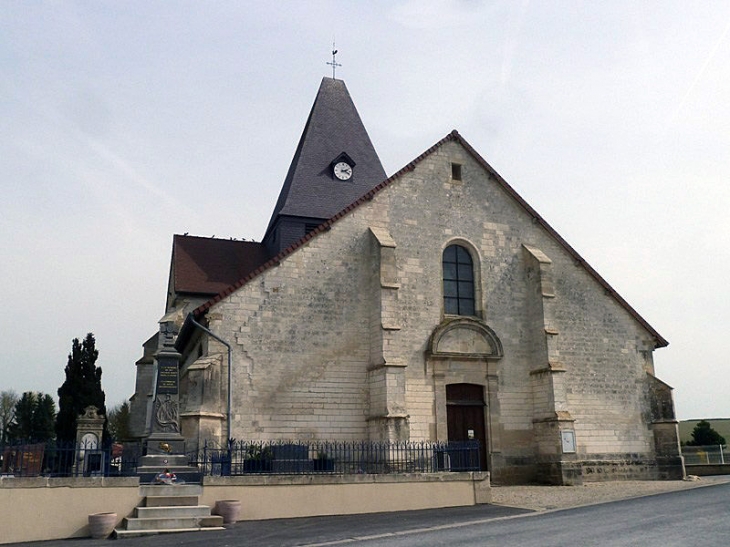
[(334, 127)]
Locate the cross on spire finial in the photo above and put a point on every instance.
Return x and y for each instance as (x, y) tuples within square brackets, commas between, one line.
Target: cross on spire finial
[(334, 62)]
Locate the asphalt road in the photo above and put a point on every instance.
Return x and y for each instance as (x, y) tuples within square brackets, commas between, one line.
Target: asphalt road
[(683, 518), (699, 516)]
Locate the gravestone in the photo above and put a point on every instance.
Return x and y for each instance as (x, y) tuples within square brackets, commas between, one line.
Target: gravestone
[(89, 454)]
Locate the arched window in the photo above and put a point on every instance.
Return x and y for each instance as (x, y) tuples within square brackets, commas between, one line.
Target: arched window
[(458, 281)]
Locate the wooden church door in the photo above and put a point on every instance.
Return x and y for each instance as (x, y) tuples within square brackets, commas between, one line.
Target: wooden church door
[(465, 416)]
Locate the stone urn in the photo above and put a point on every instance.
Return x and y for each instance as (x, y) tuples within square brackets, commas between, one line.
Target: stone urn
[(101, 525), (230, 510)]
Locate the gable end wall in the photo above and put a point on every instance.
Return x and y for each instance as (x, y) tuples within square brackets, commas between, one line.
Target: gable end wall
[(303, 331)]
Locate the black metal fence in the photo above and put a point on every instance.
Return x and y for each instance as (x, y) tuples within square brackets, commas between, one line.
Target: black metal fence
[(58, 459), (69, 459), (303, 458)]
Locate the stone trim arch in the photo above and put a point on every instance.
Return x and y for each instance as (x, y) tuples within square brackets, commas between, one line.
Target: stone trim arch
[(465, 337)]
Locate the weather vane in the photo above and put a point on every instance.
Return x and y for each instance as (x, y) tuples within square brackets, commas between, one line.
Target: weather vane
[(334, 62)]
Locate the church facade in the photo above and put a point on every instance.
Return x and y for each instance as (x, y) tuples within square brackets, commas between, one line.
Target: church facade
[(434, 304)]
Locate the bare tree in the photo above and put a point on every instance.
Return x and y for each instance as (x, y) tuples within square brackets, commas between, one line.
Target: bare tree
[(8, 400)]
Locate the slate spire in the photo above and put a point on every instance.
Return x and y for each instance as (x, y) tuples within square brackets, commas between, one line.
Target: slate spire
[(311, 193)]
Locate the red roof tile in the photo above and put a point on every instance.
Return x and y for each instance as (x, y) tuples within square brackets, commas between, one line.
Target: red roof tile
[(204, 265)]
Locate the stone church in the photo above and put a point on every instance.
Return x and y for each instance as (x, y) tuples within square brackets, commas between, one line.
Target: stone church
[(434, 304)]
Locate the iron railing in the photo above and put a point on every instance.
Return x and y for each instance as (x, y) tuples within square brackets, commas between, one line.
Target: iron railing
[(333, 457), (705, 455), (69, 459), (58, 459)]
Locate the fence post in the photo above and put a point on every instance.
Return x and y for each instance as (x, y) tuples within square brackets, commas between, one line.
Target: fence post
[(205, 457), (722, 456)]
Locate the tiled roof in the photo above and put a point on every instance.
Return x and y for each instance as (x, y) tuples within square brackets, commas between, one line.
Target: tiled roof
[(203, 265), (333, 127), (456, 137)]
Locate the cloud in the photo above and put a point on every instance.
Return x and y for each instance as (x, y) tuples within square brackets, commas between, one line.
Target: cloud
[(697, 78), (441, 14)]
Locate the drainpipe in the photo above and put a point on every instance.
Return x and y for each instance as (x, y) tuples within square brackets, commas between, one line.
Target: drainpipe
[(228, 415)]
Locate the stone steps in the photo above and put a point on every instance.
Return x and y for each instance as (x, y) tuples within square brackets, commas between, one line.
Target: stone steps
[(124, 534), (172, 511), (169, 508), (170, 501), (170, 490), (171, 522)]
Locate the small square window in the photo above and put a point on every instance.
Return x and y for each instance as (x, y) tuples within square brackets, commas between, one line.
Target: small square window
[(455, 171)]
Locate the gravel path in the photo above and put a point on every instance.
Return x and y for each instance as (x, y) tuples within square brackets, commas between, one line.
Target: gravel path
[(542, 498)]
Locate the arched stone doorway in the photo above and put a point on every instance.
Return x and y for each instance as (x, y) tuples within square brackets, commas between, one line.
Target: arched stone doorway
[(462, 359)]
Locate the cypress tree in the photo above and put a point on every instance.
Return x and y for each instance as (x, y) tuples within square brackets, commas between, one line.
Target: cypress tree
[(81, 388)]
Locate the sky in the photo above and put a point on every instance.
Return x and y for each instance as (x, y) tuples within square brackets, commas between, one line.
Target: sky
[(123, 123)]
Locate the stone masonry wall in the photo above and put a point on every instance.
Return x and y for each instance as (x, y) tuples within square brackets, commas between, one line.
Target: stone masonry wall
[(302, 331), (301, 345)]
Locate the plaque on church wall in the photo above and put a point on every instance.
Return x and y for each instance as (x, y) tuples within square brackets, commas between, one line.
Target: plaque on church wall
[(167, 378), (568, 441)]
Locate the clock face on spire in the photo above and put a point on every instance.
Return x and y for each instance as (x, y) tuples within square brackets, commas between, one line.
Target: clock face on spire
[(342, 170)]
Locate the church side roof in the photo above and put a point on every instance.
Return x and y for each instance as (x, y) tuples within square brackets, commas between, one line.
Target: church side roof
[(456, 137), (203, 265), (333, 127)]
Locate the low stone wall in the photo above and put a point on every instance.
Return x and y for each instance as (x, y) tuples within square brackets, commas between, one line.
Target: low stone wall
[(595, 468), (707, 470), (289, 496), (37, 509)]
